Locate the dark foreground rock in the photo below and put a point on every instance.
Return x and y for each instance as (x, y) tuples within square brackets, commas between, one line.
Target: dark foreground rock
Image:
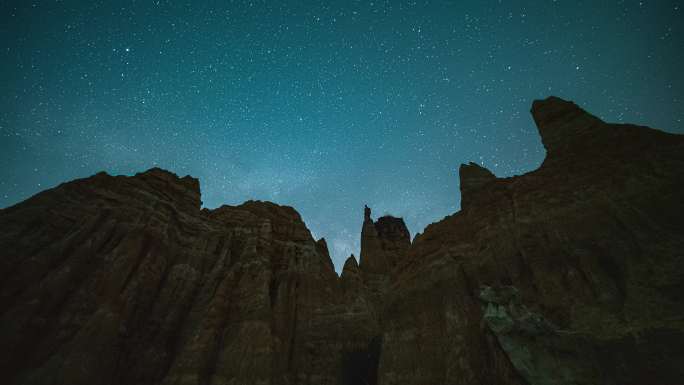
[(570, 274)]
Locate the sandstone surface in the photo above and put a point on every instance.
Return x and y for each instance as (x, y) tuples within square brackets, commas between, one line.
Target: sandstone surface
[(570, 274)]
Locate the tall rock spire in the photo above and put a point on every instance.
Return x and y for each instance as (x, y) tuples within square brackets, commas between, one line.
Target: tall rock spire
[(383, 243)]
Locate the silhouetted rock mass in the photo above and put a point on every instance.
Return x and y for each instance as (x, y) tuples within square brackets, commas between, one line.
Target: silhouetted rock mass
[(570, 274), (383, 243), (473, 179)]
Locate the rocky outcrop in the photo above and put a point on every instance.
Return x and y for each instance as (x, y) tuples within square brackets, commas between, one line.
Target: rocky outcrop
[(383, 243), (125, 280), (570, 274), (592, 244), (473, 178)]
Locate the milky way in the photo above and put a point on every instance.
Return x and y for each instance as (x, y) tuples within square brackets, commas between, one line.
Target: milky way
[(321, 107)]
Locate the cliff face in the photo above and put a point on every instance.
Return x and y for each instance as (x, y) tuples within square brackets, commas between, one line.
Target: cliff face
[(570, 274), (125, 280)]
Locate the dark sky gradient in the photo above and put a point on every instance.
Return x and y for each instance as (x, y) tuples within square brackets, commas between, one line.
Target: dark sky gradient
[(321, 107)]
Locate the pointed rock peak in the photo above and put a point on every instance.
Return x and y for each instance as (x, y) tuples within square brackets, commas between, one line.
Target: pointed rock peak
[(350, 268), (322, 249), (351, 263), (322, 246), (366, 213), (473, 178), (562, 123)]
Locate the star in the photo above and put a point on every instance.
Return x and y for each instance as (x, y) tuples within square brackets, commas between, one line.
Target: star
[(323, 107)]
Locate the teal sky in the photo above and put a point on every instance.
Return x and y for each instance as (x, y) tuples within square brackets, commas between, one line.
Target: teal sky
[(321, 107)]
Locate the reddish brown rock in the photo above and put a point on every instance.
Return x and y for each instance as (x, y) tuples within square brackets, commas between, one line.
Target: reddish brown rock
[(124, 280), (383, 243), (570, 274), (473, 179)]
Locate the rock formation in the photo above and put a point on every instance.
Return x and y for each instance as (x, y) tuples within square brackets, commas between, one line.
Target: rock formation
[(570, 274), (384, 244), (125, 280)]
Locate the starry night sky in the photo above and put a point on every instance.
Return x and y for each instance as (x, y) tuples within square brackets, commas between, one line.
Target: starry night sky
[(321, 107)]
